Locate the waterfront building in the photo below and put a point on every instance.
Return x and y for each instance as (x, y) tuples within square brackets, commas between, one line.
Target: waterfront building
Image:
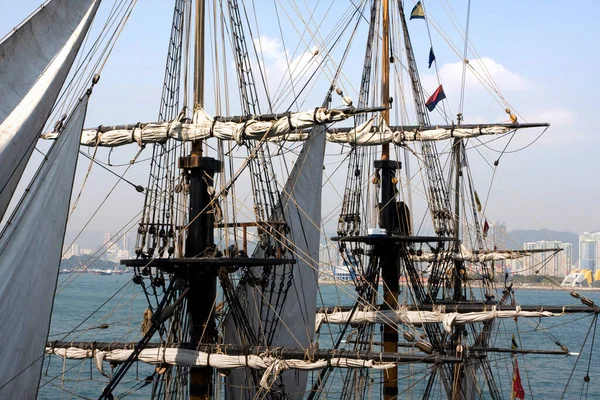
[(72, 251), (589, 251), (547, 263)]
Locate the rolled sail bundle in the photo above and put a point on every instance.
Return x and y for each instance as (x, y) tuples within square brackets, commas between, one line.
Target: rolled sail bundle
[(467, 255), (365, 135), (191, 358), (272, 366), (418, 318), (292, 127), (202, 126)]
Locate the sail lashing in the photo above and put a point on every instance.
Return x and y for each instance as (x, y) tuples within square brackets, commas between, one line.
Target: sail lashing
[(36, 59), (291, 128), (464, 254), (419, 318), (30, 253)]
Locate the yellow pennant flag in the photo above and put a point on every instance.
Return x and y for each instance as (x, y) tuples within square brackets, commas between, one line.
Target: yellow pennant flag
[(477, 201), (417, 11)]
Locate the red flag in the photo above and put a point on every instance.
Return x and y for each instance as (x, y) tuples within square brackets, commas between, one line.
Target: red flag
[(435, 98), (486, 228), (517, 389)]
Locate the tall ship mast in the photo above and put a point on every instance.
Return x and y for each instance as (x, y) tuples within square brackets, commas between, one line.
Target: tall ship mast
[(250, 278)]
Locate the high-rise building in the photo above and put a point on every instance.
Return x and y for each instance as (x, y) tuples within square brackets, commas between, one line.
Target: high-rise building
[(568, 255), (547, 263), (122, 255), (72, 251), (499, 241), (529, 263), (125, 241), (589, 251)]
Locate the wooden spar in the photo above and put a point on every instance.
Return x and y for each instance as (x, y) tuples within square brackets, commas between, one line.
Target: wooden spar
[(388, 260), (480, 349), (200, 233), (396, 128), (276, 352), (385, 73), (199, 54), (478, 307), (240, 119), (520, 351)]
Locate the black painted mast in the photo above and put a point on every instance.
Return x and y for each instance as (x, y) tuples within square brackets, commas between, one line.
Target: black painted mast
[(200, 233)]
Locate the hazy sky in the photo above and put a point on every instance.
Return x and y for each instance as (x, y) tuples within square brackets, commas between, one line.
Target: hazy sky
[(543, 55)]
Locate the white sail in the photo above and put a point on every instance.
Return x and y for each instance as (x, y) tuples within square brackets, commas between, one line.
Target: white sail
[(36, 59), (203, 127), (365, 135), (301, 200), (272, 366), (30, 252), (480, 256), (289, 128), (418, 318)]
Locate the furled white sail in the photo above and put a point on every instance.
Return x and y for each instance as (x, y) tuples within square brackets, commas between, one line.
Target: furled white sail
[(418, 318), (289, 128), (366, 135), (271, 366), (301, 201), (480, 256), (203, 127), (30, 252), (34, 62)]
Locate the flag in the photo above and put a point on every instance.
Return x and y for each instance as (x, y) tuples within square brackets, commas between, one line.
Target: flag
[(417, 11), (517, 391), (431, 57), (517, 388), (477, 201), (435, 98), (486, 228)]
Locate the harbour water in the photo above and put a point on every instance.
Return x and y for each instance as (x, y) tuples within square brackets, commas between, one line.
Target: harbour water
[(116, 301)]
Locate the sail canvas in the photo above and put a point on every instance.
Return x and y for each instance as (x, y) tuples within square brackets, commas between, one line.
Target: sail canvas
[(35, 61), (30, 253)]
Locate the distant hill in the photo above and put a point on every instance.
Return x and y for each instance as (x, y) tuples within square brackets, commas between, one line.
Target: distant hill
[(78, 261), (520, 236)]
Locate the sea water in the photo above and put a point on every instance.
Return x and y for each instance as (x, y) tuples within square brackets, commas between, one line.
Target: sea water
[(93, 300)]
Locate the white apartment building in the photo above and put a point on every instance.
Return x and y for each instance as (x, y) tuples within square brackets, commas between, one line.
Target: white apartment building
[(547, 263), (589, 250)]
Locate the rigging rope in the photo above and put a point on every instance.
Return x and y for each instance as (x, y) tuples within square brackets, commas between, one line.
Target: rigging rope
[(465, 61), (592, 325)]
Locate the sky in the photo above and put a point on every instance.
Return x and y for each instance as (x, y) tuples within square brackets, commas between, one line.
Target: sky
[(541, 54)]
